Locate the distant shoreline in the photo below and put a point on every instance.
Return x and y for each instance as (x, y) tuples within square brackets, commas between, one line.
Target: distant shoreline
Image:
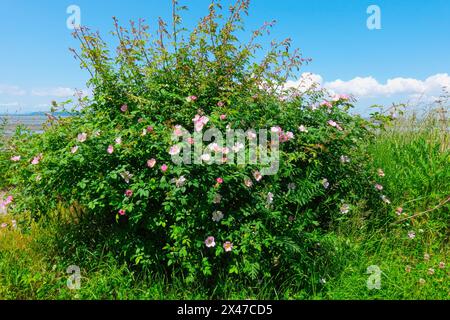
[(33, 122), (36, 114)]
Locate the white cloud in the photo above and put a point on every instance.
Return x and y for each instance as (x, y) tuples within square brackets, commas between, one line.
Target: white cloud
[(60, 92), (9, 104), (369, 87), (307, 81), (11, 90), (427, 90)]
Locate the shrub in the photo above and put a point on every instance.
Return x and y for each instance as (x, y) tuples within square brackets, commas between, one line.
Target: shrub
[(160, 214)]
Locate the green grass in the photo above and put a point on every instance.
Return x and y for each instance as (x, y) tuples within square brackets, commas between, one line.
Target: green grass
[(415, 158)]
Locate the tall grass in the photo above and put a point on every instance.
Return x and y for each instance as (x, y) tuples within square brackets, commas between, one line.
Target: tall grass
[(414, 154)]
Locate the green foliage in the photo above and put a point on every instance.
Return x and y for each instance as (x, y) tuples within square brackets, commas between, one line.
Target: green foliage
[(33, 260)]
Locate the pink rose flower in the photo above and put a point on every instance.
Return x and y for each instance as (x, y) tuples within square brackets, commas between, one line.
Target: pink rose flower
[(228, 246), (178, 131), (345, 208), (174, 150), (276, 130), (191, 99), (151, 163), (74, 149), (237, 147), (332, 123), (210, 242), (129, 193), (248, 183), (251, 135), (164, 168), (8, 200), (289, 135), (257, 175), (283, 138), (36, 159), (124, 108), (343, 97), (200, 122), (110, 149), (126, 175), (82, 137), (326, 104), (385, 199)]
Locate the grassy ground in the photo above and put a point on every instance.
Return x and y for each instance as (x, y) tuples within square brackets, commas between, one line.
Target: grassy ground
[(415, 159)]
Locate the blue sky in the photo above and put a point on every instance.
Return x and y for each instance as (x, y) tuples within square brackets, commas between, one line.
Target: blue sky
[(409, 57)]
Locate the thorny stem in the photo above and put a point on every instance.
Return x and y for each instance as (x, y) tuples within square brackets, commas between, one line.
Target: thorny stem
[(426, 211)]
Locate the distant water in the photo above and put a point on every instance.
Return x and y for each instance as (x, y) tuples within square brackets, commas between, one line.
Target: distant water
[(34, 123)]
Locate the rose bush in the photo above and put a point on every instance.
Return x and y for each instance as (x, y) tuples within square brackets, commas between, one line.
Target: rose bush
[(113, 156)]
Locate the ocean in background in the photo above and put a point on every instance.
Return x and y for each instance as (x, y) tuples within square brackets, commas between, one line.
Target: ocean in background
[(34, 123)]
